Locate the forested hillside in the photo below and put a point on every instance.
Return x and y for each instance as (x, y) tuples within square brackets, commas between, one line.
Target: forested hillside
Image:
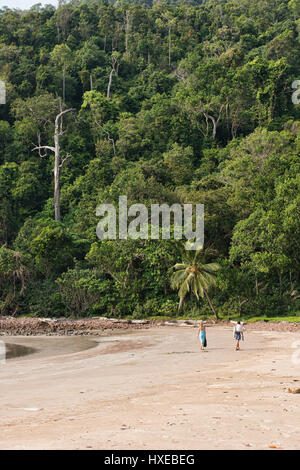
[(187, 102)]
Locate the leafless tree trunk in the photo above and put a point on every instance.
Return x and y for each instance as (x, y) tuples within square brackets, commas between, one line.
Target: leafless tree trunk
[(58, 161), (114, 69), (109, 83), (214, 121), (127, 29), (64, 83), (169, 34), (256, 286), (241, 303)]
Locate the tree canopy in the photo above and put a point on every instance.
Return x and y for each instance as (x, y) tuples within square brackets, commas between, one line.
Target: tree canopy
[(173, 102)]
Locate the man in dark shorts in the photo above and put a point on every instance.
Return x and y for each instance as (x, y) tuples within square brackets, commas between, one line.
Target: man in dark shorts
[(238, 334)]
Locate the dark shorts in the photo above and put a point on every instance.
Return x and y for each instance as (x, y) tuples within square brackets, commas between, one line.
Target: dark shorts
[(237, 336)]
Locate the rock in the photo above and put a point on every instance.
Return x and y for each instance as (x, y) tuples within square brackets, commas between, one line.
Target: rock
[(65, 326)]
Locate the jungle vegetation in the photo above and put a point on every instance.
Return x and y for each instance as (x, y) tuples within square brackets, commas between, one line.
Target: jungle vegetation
[(178, 101)]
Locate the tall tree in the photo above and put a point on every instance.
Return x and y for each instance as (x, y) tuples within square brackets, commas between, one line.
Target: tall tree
[(115, 61), (62, 57), (58, 160)]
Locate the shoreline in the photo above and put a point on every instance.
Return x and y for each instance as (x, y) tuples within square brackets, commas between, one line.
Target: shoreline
[(153, 389), (10, 326)]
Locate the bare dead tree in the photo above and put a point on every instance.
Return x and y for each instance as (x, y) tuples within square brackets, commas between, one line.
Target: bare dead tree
[(201, 108), (110, 82), (109, 138), (214, 121), (170, 22), (58, 160), (127, 27), (114, 70)]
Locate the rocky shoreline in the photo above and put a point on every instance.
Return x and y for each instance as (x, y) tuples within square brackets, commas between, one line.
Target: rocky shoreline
[(10, 326), (65, 327)]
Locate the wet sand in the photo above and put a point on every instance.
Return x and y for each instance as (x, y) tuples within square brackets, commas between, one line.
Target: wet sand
[(152, 389)]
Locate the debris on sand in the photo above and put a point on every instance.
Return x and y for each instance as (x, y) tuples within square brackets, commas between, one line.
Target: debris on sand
[(296, 390), (32, 409)]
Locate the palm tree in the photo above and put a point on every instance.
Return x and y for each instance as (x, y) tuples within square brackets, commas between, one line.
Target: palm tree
[(192, 275)]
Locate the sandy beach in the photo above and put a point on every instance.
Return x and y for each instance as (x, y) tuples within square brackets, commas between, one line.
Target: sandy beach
[(152, 389)]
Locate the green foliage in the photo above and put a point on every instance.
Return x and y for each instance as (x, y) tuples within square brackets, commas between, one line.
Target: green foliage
[(194, 276), (14, 274), (175, 102), (52, 246), (82, 292), (156, 307), (42, 299), (180, 163)]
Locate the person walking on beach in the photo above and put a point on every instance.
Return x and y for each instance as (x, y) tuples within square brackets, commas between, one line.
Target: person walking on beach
[(238, 334), (202, 335)]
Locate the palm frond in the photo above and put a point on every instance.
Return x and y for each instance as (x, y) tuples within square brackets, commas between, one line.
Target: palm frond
[(177, 278), (181, 266), (210, 279), (200, 288), (195, 288), (184, 289), (193, 276), (211, 267), (202, 281), (185, 286)]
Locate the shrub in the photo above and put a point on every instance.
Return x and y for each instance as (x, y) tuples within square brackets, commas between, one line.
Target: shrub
[(84, 293), (43, 299)]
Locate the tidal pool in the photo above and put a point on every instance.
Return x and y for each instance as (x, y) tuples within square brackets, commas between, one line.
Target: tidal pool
[(43, 346), (16, 350)]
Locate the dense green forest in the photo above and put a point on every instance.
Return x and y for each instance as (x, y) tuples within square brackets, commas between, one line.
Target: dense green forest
[(186, 102)]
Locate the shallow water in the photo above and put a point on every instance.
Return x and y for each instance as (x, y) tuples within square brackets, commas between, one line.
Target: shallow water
[(14, 348)]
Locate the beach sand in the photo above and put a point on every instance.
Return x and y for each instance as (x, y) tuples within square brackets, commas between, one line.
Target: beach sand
[(152, 389)]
